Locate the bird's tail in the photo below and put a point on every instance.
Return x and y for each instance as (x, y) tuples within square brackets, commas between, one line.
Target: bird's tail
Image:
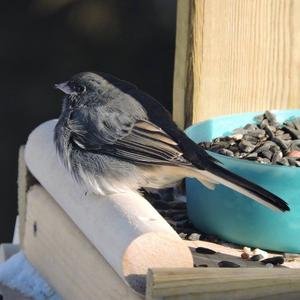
[(216, 174)]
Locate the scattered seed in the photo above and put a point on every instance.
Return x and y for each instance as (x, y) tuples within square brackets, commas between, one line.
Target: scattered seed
[(276, 260), (201, 266), (194, 236), (227, 264), (183, 235), (203, 250), (35, 228), (256, 257), (245, 255)]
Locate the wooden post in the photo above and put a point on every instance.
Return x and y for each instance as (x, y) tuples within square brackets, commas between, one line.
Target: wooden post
[(235, 56)]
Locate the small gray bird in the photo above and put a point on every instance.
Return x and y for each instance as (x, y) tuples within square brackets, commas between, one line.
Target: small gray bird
[(113, 138)]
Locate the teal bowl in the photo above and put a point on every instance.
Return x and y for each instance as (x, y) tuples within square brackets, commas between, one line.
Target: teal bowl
[(234, 217)]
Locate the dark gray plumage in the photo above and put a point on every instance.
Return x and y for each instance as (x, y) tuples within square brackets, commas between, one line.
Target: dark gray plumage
[(114, 138)]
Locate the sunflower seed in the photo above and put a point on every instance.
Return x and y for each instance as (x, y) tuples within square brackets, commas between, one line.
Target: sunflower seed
[(201, 266), (203, 250), (293, 132), (252, 139), (227, 264), (277, 156), (262, 160), (269, 131), (252, 156), (270, 117), (256, 257), (275, 260), (283, 162), (296, 123), (194, 236), (226, 152), (250, 127), (281, 143), (295, 145), (267, 154), (246, 146)]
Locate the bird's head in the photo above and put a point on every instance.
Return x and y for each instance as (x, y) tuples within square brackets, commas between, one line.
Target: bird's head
[(85, 89)]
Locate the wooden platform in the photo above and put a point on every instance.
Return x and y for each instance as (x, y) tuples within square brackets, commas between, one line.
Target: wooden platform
[(230, 253)]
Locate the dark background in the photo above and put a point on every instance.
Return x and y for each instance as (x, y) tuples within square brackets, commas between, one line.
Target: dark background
[(46, 41)]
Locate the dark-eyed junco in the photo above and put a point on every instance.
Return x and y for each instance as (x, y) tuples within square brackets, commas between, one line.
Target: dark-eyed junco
[(114, 138)]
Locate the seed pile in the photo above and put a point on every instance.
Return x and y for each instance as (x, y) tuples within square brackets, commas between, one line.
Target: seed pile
[(267, 142)]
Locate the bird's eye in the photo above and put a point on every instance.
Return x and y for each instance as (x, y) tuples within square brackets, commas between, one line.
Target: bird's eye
[(79, 89)]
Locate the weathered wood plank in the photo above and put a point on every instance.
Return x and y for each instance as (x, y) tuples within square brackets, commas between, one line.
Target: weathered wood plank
[(235, 56), (25, 180), (64, 256), (223, 283)]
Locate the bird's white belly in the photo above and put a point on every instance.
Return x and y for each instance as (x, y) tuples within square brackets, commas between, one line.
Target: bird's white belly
[(156, 177)]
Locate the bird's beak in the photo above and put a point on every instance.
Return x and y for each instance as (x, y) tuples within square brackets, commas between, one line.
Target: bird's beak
[(64, 87)]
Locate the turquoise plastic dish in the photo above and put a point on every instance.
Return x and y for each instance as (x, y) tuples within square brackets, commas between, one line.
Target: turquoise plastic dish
[(234, 217)]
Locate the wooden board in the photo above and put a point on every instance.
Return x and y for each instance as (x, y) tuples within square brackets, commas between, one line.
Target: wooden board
[(64, 256), (230, 252), (25, 180), (235, 56), (252, 280), (223, 284)]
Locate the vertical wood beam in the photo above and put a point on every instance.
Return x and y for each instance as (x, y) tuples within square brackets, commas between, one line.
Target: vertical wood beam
[(235, 56)]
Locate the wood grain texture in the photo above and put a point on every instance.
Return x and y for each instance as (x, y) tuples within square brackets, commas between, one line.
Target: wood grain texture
[(223, 283), (65, 257), (242, 55), (180, 68), (25, 180)]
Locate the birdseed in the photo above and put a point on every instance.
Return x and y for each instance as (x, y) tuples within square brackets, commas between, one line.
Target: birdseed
[(275, 260), (267, 142), (227, 264)]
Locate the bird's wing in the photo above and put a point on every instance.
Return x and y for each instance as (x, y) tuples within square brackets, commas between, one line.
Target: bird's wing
[(119, 135), (149, 144), (200, 159), (159, 116), (157, 140)]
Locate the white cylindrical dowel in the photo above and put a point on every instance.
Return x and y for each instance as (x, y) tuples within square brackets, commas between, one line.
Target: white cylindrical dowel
[(125, 228)]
